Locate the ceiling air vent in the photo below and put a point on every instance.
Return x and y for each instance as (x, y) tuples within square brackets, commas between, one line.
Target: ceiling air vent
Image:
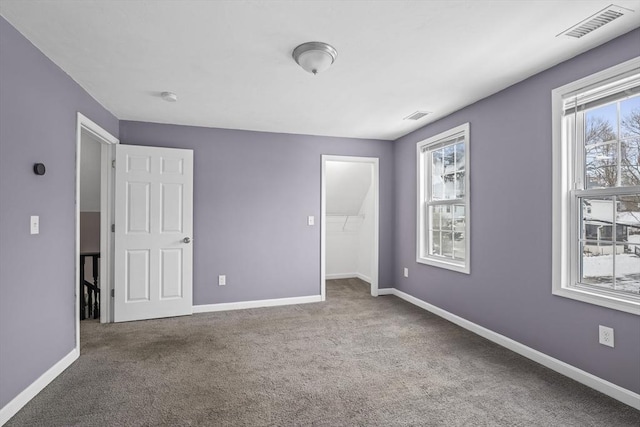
[(595, 21), (416, 116)]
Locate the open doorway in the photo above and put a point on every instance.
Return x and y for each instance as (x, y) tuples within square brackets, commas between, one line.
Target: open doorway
[(90, 171), (94, 214), (349, 241)]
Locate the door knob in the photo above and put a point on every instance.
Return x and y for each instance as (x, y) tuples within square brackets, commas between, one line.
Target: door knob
[(186, 240)]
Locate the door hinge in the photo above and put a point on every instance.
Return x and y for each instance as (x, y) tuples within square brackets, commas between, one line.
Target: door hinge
[(113, 293), (113, 228), (113, 164)]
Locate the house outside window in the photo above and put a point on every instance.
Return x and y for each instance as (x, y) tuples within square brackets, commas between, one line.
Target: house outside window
[(443, 200), (596, 201)]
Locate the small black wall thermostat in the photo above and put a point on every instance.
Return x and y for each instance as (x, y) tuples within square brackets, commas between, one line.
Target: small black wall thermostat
[(39, 169)]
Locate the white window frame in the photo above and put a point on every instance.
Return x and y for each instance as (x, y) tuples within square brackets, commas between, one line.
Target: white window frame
[(567, 187), (424, 186)]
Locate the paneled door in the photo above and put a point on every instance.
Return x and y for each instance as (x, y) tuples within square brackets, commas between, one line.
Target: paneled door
[(153, 231)]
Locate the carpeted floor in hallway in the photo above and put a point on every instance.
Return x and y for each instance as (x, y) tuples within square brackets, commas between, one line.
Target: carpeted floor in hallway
[(354, 360)]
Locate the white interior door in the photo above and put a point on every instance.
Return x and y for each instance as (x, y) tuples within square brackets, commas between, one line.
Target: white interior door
[(153, 230)]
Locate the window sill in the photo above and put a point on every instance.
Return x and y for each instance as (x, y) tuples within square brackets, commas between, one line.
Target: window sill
[(460, 268), (595, 298)]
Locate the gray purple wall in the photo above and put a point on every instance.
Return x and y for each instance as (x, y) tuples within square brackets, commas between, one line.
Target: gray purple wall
[(38, 105), (509, 288), (253, 192)]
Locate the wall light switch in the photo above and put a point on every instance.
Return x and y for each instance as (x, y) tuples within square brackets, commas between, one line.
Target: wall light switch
[(222, 280), (35, 224), (406, 272), (311, 220)]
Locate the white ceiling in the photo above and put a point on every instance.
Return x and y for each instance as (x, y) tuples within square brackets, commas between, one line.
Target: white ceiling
[(230, 61)]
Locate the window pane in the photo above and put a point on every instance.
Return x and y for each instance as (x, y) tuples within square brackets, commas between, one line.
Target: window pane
[(460, 185), (459, 246), (628, 211), (434, 244), (459, 218), (597, 218), (627, 272), (627, 256), (630, 117), (437, 184), (596, 269), (435, 213), (601, 124), (630, 161), (447, 244), (601, 169), (628, 223), (449, 159), (447, 172), (446, 218), (460, 158), (450, 186)]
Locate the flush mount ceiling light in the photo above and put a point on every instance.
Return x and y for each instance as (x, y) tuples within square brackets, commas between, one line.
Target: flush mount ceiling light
[(314, 57), (169, 96)]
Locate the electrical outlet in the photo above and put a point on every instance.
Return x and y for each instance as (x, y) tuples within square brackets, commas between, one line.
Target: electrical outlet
[(606, 335), (406, 272), (222, 280)]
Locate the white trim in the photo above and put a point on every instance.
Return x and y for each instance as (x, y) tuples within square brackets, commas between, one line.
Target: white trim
[(226, 306), (563, 233), (107, 141), (323, 231), (375, 162), (348, 276), (421, 170), (335, 276), (386, 291), (623, 395), (363, 278), (18, 402)]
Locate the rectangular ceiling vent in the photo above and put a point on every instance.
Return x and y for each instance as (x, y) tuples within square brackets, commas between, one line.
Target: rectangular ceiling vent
[(595, 21), (416, 116)]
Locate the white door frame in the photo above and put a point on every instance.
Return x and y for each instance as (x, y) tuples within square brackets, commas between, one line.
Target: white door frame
[(107, 141), (374, 161)]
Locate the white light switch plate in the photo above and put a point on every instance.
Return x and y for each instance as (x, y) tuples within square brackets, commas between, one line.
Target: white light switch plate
[(311, 220), (406, 272), (222, 280), (35, 224)]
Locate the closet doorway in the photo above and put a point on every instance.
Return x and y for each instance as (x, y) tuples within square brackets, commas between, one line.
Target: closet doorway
[(349, 223)]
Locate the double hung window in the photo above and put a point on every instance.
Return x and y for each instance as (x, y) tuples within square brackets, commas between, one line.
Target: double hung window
[(443, 200), (597, 189)]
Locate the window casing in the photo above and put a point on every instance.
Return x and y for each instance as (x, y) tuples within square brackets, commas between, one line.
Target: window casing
[(596, 188), (443, 229)]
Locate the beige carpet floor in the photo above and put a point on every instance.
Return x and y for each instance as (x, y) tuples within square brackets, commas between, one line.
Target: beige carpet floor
[(351, 361)]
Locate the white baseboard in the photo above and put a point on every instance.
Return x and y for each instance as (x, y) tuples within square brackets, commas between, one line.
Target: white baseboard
[(12, 408), (363, 278), (348, 276), (603, 386), (207, 308), (340, 276)]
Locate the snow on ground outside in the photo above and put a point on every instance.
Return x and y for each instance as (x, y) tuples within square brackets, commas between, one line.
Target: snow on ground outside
[(598, 270)]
